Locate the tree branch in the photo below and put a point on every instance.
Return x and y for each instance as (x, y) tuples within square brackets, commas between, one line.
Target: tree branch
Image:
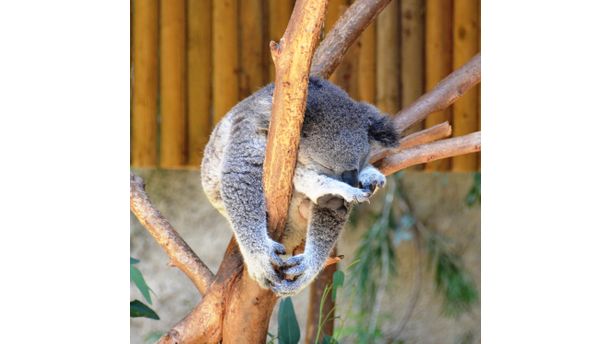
[(292, 58), (442, 96), (180, 254), (434, 133), (351, 24), (429, 152)]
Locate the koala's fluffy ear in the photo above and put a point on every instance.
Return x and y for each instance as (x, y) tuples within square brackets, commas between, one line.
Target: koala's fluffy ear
[(382, 130)]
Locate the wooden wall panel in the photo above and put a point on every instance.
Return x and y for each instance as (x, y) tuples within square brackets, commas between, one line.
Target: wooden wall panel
[(198, 58), (438, 60), (366, 76), (252, 51), (173, 82), (334, 10), (387, 59), (466, 44), (225, 57), (199, 77), (412, 53), (145, 82)]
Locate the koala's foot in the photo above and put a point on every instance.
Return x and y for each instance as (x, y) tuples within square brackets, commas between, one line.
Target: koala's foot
[(346, 192), (299, 273), (261, 265), (333, 202), (371, 179)]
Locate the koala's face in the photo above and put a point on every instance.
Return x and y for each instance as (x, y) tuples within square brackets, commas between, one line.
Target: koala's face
[(338, 131), (338, 149)]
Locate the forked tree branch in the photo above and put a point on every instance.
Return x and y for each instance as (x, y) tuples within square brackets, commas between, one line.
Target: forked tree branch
[(180, 254), (442, 96), (345, 32)]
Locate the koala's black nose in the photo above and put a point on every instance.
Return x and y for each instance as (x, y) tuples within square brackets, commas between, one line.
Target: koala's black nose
[(350, 177)]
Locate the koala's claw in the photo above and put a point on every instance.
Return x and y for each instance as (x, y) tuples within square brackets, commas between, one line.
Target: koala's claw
[(294, 266), (275, 250), (261, 266), (372, 180)]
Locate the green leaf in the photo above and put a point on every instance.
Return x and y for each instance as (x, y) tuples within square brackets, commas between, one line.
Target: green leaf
[(134, 261), (140, 310), (288, 328), (137, 278), (338, 282)]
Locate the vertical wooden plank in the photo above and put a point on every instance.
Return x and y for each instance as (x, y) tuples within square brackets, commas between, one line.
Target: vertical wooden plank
[(334, 10), (366, 77), (412, 51), (251, 46), (225, 57), (172, 91), (466, 44), (387, 58), (438, 60), (412, 54), (199, 76), (145, 82), (279, 12), (346, 74)]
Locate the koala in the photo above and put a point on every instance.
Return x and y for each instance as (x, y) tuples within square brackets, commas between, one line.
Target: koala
[(332, 174)]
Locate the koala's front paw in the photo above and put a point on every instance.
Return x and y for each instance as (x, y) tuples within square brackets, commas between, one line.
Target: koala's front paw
[(371, 179), (261, 265), (348, 193), (299, 273)]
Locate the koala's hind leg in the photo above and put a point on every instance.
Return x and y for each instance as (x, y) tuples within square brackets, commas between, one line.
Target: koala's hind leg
[(326, 223)]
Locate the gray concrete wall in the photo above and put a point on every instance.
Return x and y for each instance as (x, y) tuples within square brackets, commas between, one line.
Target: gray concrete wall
[(437, 200)]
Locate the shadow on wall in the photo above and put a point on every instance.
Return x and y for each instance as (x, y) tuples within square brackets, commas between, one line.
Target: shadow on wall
[(437, 199)]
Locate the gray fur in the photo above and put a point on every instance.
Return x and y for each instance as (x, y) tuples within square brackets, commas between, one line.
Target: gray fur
[(334, 147)]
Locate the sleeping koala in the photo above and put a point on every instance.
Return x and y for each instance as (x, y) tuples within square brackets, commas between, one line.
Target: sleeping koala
[(332, 174)]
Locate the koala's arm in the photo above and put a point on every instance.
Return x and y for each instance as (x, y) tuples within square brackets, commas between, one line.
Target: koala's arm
[(243, 197), (326, 223), (315, 186)]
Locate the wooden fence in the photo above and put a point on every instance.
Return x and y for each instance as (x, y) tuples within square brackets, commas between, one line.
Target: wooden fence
[(192, 60)]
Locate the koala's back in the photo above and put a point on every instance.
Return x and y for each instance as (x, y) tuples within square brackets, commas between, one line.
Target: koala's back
[(253, 113), (327, 107)]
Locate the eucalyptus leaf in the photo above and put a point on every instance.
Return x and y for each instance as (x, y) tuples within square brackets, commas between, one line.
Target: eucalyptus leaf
[(338, 281), (288, 327), (140, 310), (137, 278)]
